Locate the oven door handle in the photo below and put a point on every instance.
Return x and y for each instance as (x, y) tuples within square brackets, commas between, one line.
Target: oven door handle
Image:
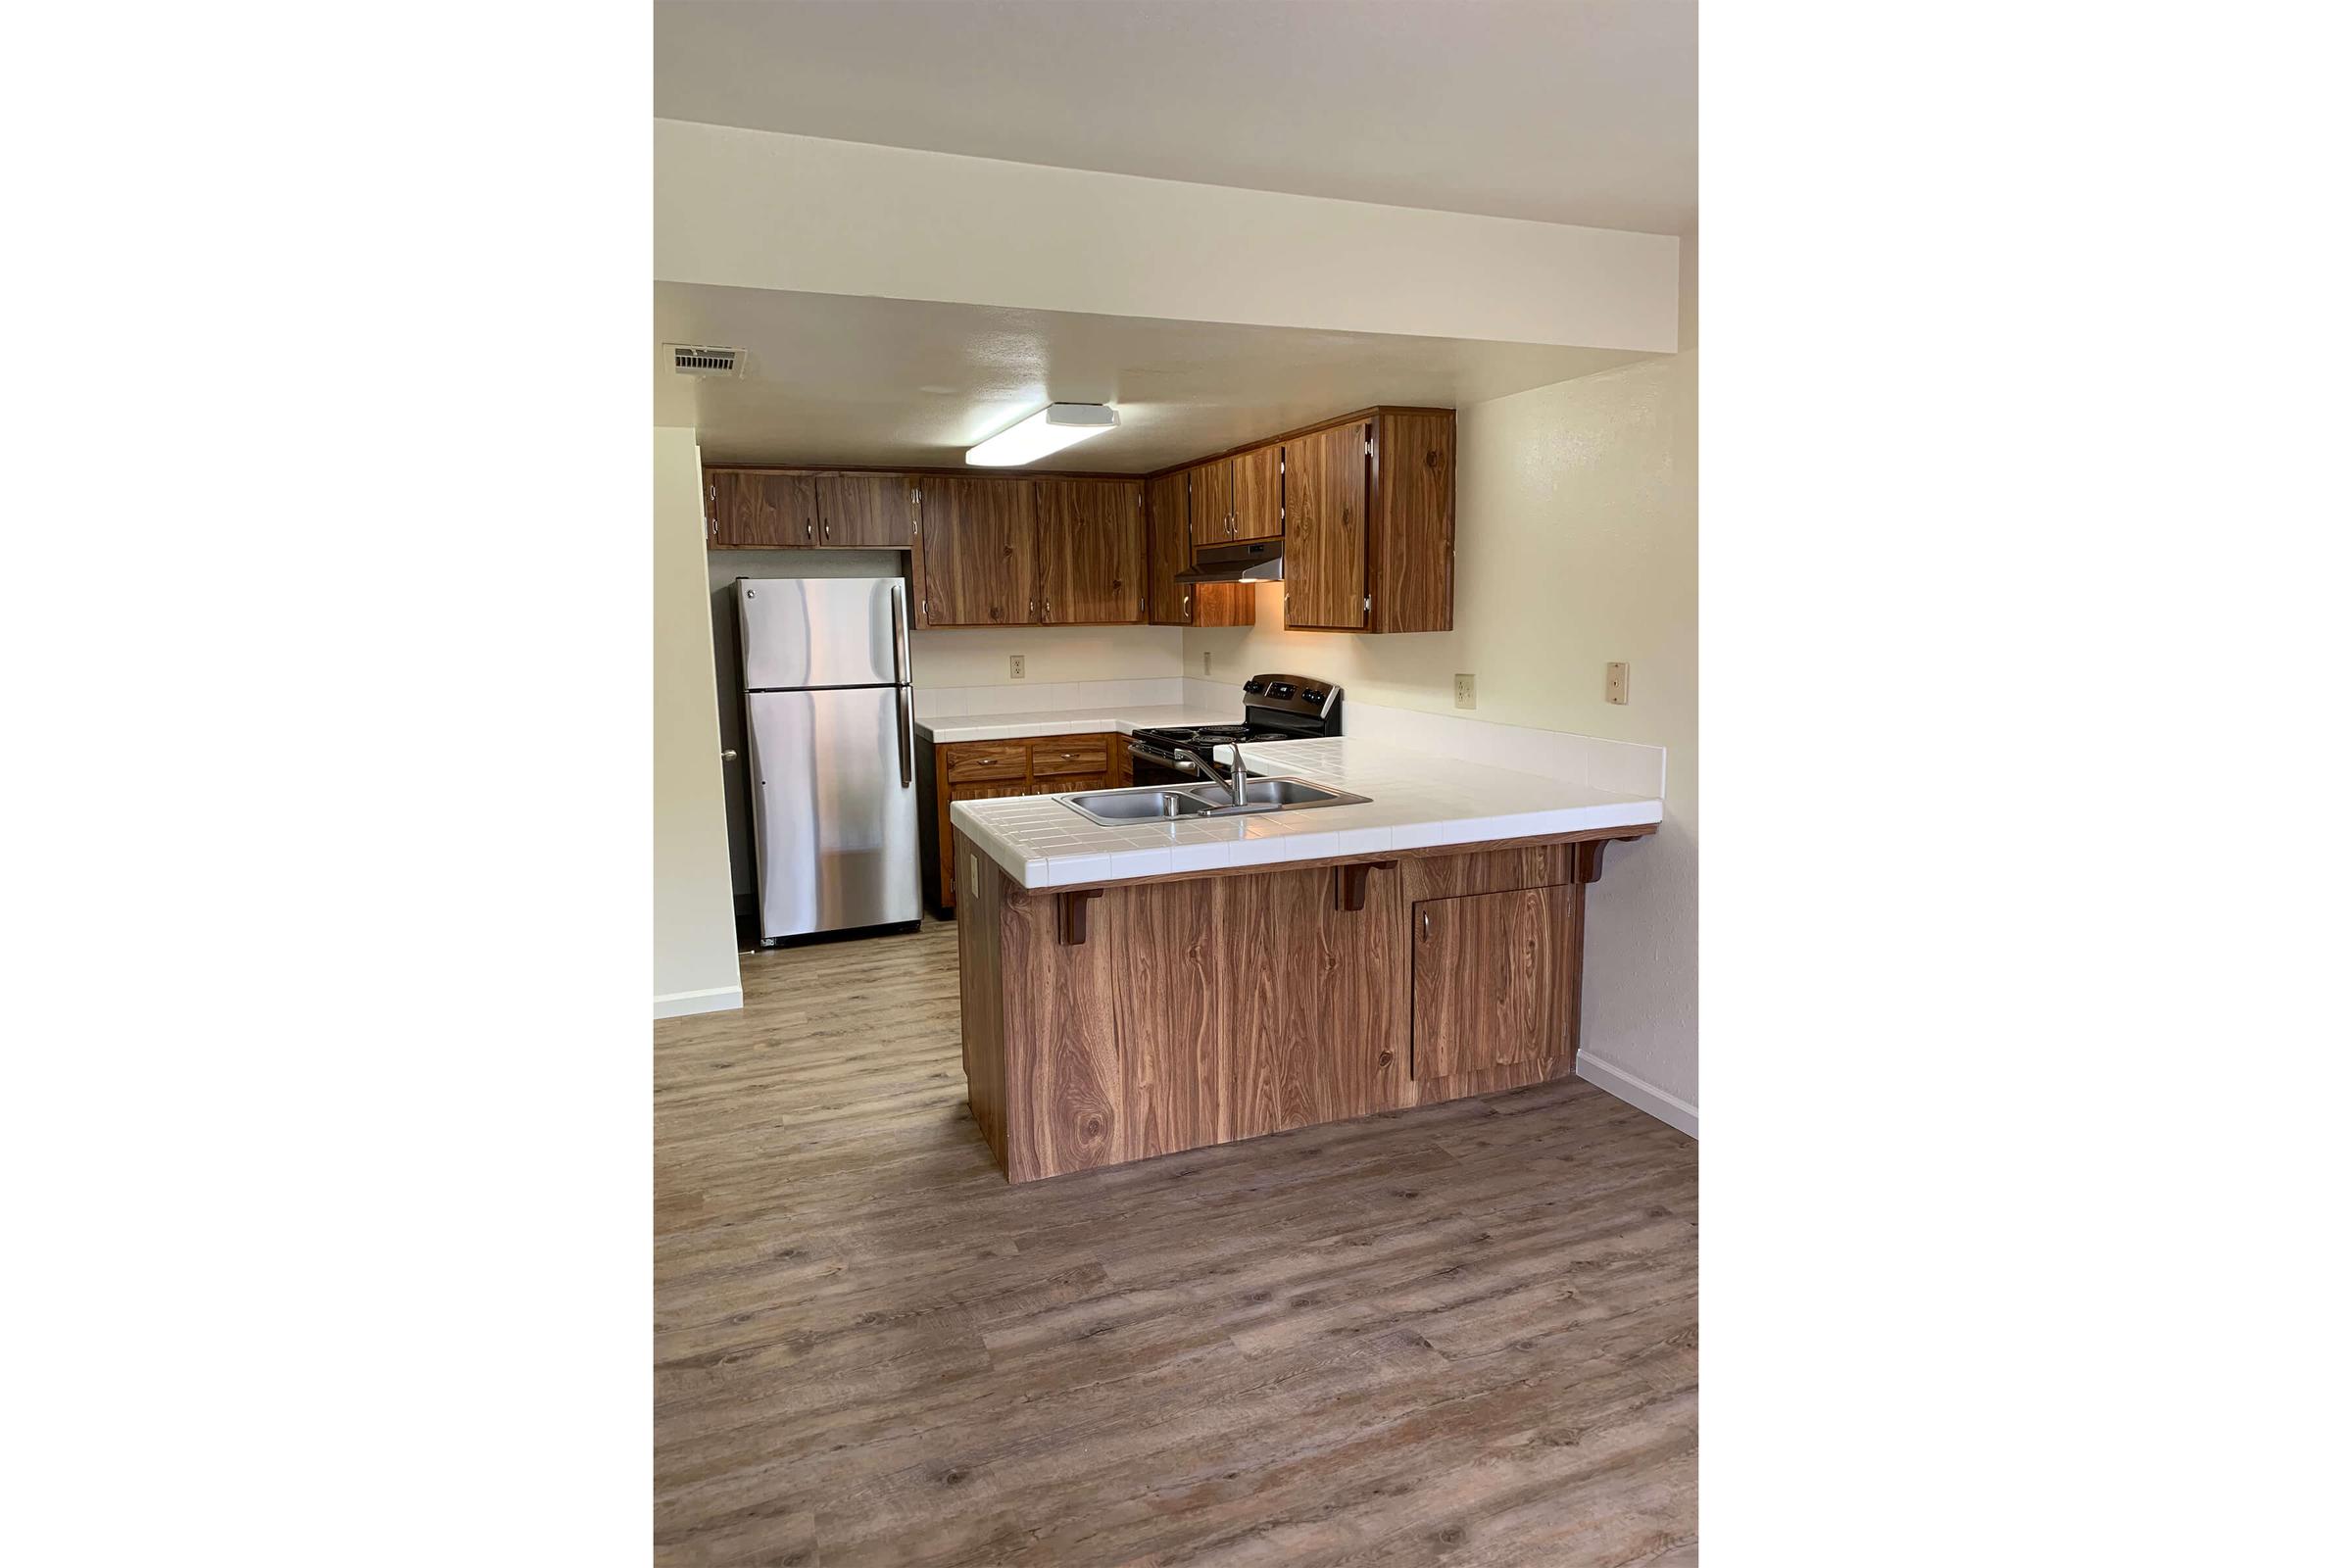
[(1173, 759)]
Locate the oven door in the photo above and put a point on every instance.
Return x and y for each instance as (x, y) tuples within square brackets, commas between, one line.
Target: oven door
[(1152, 768)]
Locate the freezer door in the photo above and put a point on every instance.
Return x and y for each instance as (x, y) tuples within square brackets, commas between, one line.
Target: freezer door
[(833, 812), (821, 632)]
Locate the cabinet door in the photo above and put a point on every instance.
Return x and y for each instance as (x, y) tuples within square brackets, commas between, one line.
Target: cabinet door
[(1411, 581), (977, 556), (1212, 502), (1089, 552), (719, 506), (1493, 980), (1323, 558), (1317, 1003), (1257, 494), (1070, 784), (1168, 550), (865, 511), (946, 830), (773, 511), (1168, 510)]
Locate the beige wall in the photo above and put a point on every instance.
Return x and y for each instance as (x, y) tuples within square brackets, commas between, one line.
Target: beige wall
[(1576, 544), (693, 912), (735, 207)]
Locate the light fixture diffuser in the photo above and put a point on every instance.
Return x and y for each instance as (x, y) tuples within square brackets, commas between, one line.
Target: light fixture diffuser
[(1049, 429)]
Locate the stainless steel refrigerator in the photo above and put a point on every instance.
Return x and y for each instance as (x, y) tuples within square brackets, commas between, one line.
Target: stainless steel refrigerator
[(829, 714)]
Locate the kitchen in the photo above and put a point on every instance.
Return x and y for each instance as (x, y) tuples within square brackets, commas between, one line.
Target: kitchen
[(851, 793)]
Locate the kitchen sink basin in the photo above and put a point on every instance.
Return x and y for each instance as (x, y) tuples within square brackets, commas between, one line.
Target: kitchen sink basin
[(1190, 801), (1281, 792), (1138, 805)]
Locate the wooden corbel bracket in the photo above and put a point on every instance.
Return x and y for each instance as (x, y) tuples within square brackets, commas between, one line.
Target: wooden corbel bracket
[(1347, 882), (1583, 860), (1072, 906)]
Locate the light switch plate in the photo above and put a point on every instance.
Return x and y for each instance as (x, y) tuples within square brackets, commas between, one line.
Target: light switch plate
[(1204, 661), (1020, 666), (1465, 691), (1620, 678)]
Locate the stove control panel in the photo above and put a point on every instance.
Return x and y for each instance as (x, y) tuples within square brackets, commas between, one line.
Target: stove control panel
[(1286, 695)]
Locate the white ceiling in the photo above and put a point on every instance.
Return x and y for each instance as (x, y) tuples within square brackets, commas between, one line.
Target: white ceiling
[(835, 378), (1562, 110)]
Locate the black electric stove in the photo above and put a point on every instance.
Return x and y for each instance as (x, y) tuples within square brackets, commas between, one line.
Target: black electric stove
[(1274, 708)]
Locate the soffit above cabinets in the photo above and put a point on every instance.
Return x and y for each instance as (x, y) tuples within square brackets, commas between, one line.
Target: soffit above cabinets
[(853, 380)]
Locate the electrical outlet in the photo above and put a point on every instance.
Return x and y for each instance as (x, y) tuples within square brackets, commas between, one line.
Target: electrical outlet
[(1204, 662), (1020, 666), (1620, 678), (1465, 691)]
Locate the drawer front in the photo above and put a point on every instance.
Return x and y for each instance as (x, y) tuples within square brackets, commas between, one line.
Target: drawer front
[(1054, 758), (979, 761)]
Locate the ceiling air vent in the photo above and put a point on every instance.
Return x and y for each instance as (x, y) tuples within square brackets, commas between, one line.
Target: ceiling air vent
[(691, 359)]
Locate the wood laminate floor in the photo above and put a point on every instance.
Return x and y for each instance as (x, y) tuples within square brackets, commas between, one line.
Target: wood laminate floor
[(1465, 1334)]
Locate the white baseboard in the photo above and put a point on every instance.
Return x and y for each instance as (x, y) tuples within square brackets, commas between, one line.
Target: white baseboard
[(678, 1003), (1638, 1093)]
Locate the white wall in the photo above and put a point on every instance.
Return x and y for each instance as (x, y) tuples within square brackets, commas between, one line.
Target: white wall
[(753, 209), (694, 910), (1576, 523)]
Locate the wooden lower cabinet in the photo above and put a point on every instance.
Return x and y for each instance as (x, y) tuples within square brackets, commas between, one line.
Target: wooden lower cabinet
[(1490, 982), (995, 770), (1202, 1009)]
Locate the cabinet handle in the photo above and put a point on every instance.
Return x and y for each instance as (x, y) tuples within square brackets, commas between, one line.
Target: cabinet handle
[(1187, 597), (807, 530), (1425, 925), (828, 530)]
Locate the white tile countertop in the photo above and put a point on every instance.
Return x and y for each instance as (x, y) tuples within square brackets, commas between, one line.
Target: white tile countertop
[(1122, 720), (1415, 801)]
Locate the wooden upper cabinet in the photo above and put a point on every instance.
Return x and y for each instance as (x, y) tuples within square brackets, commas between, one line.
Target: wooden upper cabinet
[(866, 510), (1494, 980), (1258, 498), (1089, 552), (718, 505), (1323, 557), (1167, 550), (1411, 544), (1212, 502), (976, 566), (772, 512), (1366, 510)]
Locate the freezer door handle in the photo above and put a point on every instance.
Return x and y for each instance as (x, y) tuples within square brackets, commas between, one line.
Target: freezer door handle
[(897, 636), (905, 740)]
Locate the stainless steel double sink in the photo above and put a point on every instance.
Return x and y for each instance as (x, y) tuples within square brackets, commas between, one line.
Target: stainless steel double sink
[(1178, 802)]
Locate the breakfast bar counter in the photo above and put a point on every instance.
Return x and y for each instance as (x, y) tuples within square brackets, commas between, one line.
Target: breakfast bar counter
[(1135, 989)]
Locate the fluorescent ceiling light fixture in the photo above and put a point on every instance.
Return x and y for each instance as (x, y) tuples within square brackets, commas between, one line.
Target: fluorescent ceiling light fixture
[(1049, 429)]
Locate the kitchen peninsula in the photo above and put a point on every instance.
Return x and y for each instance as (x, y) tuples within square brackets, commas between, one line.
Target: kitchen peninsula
[(1137, 988)]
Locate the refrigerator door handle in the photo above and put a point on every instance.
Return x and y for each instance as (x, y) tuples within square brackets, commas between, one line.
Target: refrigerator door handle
[(898, 635), (905, 740)]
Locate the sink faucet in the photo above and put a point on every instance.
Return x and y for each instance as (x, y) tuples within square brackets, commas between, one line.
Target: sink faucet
[(1236, 780)]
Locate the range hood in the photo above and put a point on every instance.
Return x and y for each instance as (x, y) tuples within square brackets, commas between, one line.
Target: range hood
[(1258, 560)]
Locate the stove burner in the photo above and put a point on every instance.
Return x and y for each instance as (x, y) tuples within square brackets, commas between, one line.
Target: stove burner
[(1279, 708)]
